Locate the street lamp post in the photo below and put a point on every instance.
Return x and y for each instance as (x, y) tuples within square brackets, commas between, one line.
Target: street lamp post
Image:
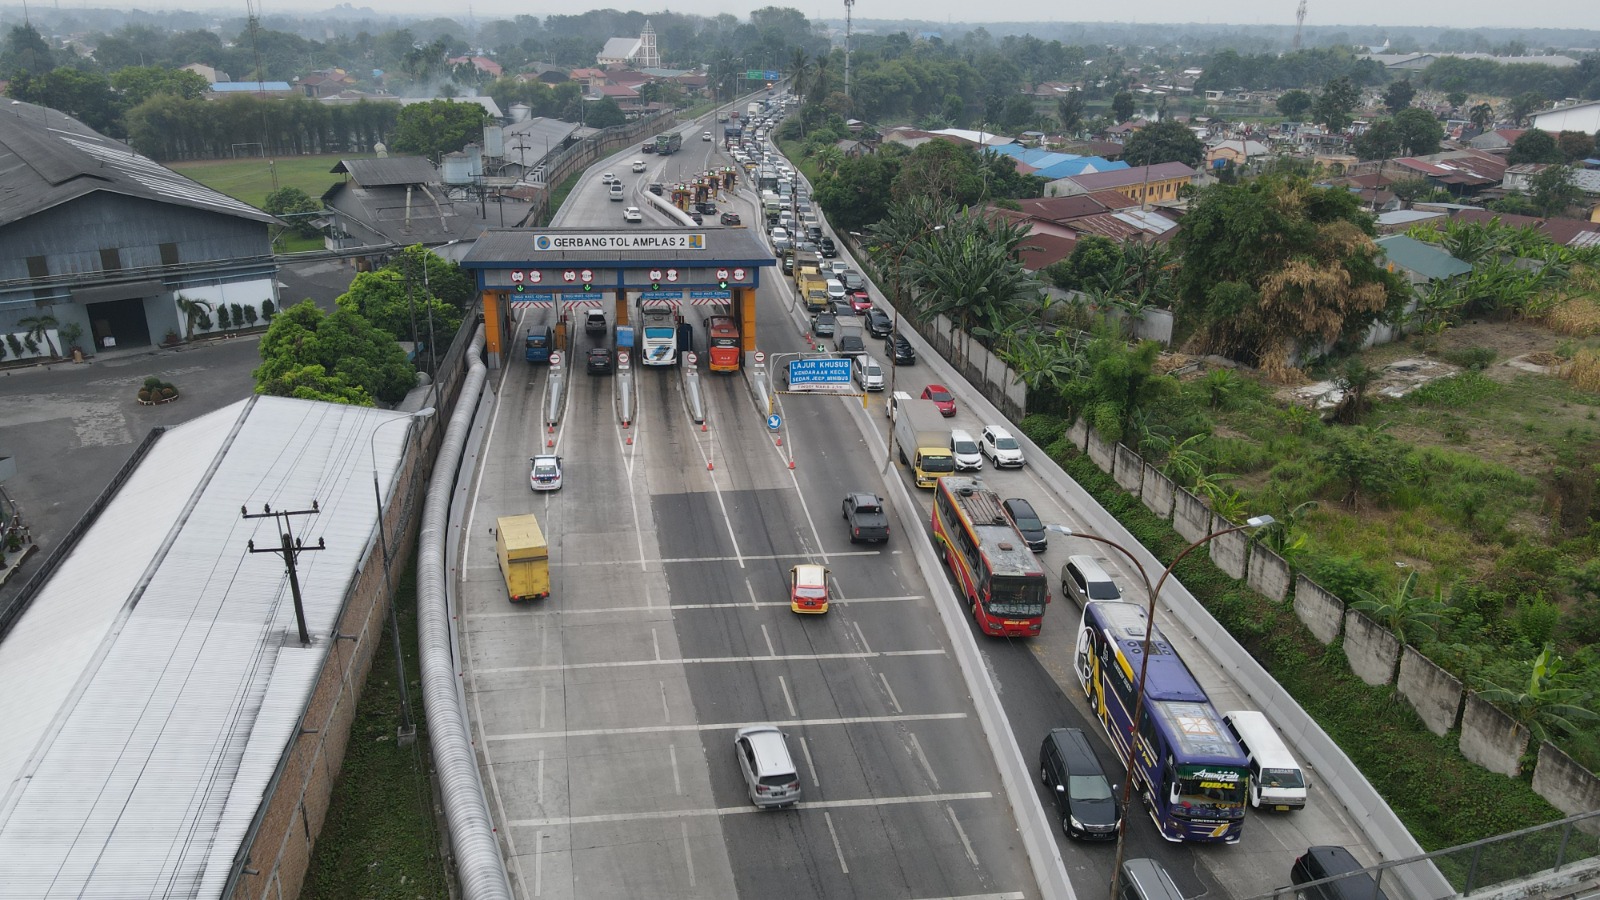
[(1144, 660), (408, 730)]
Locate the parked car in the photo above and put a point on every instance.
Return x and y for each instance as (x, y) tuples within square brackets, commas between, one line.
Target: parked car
[(942, 398), (823, 324), (1028, 522), (1001, 448), (632, 214), (808, 589), (866, 518), (901, 349), (597, 361), (878, 322), (729, 218), (544, 473)]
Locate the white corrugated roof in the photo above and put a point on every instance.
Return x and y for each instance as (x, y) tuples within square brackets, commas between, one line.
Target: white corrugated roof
[(154, 682)]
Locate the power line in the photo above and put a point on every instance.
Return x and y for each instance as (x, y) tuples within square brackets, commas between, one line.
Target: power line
[(289, 547)]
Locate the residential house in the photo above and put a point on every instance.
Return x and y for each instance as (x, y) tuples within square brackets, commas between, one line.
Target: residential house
[(1106, 150), (404, 200), (259, 88), (1238, 152), (1051, 165), (1145, 184), (1566, 232), (1497, 139), (545, 73), (640, 51), (482, 63), (211, 75), (1420, 262), (852, 149), (324, 83), (1055, 224)]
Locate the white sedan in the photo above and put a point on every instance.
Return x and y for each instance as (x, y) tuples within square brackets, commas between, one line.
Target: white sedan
[(638, 165), (632, 214), (544, 473)]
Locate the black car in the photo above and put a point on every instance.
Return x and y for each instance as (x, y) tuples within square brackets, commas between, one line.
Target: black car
[(656, 188), (649, 147), (598, 361), (852, 280), (731, 219), (829, 250), (788, 264), (698, 219), (822, 325), (1028, 522), (842, 307), (1085, 800), (904, 355), (878, 323), (706, 207)]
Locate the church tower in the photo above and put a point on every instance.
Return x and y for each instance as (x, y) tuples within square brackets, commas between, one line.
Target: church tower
[(648, 57)]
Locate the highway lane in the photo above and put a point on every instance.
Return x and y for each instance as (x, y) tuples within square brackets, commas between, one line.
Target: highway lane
[(606, 715)]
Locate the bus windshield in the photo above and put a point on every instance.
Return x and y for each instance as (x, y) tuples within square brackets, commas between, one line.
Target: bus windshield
[(1210, 788), (1016, 597), (724, 342)]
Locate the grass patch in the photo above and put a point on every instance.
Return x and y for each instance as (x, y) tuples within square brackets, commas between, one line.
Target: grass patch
[(1443, 799), (379, 839), (252, 179), (559, 196)]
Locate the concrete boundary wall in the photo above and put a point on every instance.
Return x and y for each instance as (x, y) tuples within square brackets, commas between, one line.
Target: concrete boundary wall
[(1370, 648), (1156, 491), (1229, 551), (1191, 518), (1268, 573), (1078, 433), (1102, 451), (1491, 738), (1319, 610), (1130, 470), (1434, 693), (1568, 786)]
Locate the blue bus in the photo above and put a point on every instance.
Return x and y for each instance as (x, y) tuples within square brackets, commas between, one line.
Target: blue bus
[(1192, 774)]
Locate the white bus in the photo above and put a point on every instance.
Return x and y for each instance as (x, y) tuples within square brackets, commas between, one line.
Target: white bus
[(658, 344)]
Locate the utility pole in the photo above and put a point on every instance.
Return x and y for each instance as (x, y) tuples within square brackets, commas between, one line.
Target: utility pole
[(1299, 22), (289, 546), (848, 6)]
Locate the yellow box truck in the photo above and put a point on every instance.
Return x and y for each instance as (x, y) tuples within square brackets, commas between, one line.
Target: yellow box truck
[(524, 557)]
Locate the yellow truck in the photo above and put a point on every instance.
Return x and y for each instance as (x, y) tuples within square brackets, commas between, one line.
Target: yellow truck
[(814, 290), (806, 264), (524, 557)]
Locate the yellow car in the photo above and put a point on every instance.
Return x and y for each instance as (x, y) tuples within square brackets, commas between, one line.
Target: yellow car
[(808, 589)]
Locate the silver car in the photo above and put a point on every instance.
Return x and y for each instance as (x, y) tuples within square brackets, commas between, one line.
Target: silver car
[(769, 773)]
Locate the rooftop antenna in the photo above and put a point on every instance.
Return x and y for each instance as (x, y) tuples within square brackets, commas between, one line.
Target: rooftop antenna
[(848, 6), (1299, 22)]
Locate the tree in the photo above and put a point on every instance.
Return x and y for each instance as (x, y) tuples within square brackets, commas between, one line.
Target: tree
[(1575, 145), (137, 84), (1525, 103), (1093, 259), (86, 96), (1550, 701), (943, 171), (1122, 106), (1553, 191), (856, 194), (1295, 104), (1398, 95), (296, 207), (38, 328), (398, 305), (196, 314), (1456, 99), (339, 357), (1534, 146), (1277, 262), (1069, 109), (1414, 132), (1409, 190), (1411, 617), (1122, 384), (437, 127), (1335, 104), (1364, 462), (1482, 117), (1166, 141), (25, 53)]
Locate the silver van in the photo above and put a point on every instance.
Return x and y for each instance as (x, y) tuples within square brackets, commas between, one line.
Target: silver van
[(965, 450), (869, 375), (1276, 781), (769, 773), (1144, 879), (1083, 580)]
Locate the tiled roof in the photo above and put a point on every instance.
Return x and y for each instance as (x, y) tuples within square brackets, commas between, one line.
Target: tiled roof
[(1132, 176), (1039, 250)]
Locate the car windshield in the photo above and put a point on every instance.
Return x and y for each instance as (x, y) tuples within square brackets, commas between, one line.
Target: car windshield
[(824, 318), (1088, 787), (1282, 778), (1103, 590), (938, 396), (1005, 443), (965, 447)]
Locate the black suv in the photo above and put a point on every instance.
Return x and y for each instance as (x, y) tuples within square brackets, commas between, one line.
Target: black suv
[(829, 251), (904, 355), (878, 323), (656, 188), (1085, 801)]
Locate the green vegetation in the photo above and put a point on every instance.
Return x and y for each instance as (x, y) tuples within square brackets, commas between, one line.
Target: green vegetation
[(254, 179), (380, 838)]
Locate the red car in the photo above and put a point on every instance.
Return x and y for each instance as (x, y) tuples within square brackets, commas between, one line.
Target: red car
[(940, 395), (860, 302)]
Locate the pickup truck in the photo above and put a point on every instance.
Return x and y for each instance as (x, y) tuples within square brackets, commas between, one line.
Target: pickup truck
[(865, 515)]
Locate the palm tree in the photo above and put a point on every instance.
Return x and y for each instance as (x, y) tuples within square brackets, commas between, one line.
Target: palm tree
[(1482, 116), (800, 69), (828, 159), (1549, 701), (819, 78), (39, 329), (194, 312), (969, 272), (1408, 615)]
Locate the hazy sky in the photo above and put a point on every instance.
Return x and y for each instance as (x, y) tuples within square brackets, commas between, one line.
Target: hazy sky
[(1461, 13)]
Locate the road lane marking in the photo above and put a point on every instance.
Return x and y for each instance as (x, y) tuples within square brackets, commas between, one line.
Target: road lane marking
[(892, 698), (837, 850), (666, 714), (688, 855), (864, 645), (702, 660), (753, 601), (788, 698), (677, 778), (722, 503), (530, 612), (642, 560), (811, 764), (771, 650), (922, 758), (657, 815), (729, 726), (971, 856)]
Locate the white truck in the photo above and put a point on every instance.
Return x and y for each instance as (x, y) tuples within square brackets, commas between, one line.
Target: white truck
[(922, 439)]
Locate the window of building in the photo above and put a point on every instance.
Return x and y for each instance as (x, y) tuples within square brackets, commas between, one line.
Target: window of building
[(169, 254), (110, 259), (38, 267)]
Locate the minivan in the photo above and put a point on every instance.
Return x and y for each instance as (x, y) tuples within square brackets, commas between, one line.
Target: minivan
[(1083, 580), (1084, 799), (965, 450), (769, 773), (869, 375), (1327, 862), (1276, 781), (835, 289), (1144, 879)]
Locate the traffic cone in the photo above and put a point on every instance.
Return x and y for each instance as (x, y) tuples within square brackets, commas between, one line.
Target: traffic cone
[(791, 463), (780, 442), (702, 427), (708, 465), (630, 440), (550, 442)]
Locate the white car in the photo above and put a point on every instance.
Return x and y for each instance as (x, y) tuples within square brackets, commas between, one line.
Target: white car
[(638, 165), (632, 214), (1001, 448), (965, 449), (607, 178), (544, 473), (780, 234), (705, 136)]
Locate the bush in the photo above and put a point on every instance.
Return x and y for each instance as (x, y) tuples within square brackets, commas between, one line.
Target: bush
[(1458, 392), (1343, 577), (249, 315), (1472, 358), (223, 319), (1042, 429), (268, 310)]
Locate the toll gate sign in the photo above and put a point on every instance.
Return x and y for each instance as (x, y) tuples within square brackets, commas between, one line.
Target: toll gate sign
[(819, 375)]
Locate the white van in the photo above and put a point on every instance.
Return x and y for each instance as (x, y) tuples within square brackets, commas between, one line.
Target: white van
[(965, 450), (616, 190), (897, 398), (1276, 781), (869, 375)]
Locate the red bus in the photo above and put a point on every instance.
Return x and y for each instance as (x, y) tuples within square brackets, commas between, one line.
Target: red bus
[(722, 340), (1002, 580)]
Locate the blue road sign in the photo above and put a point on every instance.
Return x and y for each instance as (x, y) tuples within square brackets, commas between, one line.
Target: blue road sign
[(774, 421), (819, 373)]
